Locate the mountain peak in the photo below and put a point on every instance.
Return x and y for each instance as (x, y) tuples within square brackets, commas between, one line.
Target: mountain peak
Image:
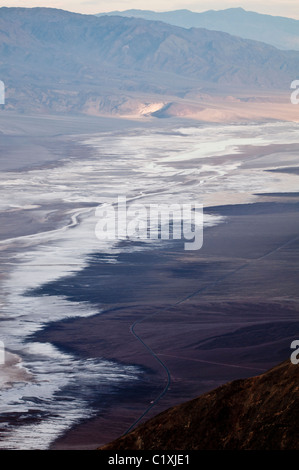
[(86, 63), (280, 32)]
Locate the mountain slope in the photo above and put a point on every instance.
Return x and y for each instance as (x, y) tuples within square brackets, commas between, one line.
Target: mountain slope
[(259, 413), (53, 60), (55, 38), (280, 32)]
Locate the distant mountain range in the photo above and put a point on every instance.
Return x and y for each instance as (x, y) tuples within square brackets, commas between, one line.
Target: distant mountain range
[(56, 61), (278, 31), (259, 413)]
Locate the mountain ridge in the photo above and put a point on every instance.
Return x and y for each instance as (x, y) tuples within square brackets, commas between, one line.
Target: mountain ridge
[(278, 31), (56, 61), (258, 413)]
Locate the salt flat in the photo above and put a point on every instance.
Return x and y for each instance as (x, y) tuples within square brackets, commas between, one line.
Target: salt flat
[(57, 278)]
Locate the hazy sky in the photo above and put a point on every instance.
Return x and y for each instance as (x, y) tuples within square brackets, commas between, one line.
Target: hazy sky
[(288, 8)]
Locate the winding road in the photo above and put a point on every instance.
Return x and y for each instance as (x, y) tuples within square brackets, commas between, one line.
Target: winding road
[(185, 299)]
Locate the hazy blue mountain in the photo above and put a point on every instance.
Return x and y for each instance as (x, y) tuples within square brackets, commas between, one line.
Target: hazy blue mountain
[(278, 31), (55, 60)]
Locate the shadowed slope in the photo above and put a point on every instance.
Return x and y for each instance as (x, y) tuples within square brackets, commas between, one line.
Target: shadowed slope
[(259, 413)]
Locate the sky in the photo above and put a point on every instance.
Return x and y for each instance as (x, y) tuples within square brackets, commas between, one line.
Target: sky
[(289, 8)]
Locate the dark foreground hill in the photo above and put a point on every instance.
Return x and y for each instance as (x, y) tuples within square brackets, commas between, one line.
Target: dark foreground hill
[(259, 413)]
